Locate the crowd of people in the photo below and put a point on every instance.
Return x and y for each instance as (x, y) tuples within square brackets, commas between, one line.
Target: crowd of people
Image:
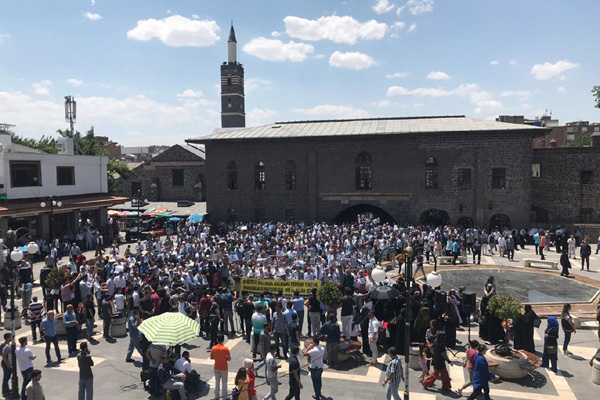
[(195, 271)]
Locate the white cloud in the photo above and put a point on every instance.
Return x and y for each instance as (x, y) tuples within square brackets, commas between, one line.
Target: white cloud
[(417, 7), (412, 28), (168, 11), (93, 16), (482, 100), (190, 93), (399, 25), (563, 78), (561, 89), (351, 60), (331, 110), (319, 56), (93, 2), (381, 103), (396, 75), (159, 123), (494, 62), (253, 84), (74, 82), (548, 70), (275, 34), (177, 31), (515, 93), (514, 62), (438, 75), (417, 105), (423, 92), (42, 87), (335, 28), (3, 36), (276, 50), (383, 6), (195, 16), (260, 116)]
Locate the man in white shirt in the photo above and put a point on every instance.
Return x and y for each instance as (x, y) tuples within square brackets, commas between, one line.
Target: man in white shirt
[(315, 353), (183, 364), (25, 359), (373, 336), (271, 363)]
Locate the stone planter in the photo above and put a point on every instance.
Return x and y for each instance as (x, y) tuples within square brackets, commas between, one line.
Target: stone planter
[(118, 327), (512, 368), (596, 371), (413, 360)]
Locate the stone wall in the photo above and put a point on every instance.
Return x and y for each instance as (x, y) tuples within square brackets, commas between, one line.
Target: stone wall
[(325, 182), (560, 191)]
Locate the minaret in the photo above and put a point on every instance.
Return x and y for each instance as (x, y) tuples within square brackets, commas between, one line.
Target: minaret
[(233, 113)]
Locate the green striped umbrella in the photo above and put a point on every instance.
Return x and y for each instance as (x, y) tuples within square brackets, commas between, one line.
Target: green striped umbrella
[(171, 329)]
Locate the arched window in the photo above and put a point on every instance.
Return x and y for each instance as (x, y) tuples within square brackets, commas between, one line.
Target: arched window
[(364, 176), (290, 175), (259, 176), (232, 177), (431, 173)]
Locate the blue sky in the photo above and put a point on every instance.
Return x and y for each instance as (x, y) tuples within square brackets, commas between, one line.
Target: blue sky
[(146, 71)]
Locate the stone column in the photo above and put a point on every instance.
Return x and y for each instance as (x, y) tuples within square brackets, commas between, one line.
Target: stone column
[(43, 226), (102, 217)]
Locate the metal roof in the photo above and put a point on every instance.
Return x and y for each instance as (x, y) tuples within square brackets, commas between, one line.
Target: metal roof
[(375, 126)]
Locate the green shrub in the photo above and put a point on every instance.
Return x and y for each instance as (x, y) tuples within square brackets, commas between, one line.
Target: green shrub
[(57, 277), (330, 295), (504, 306)]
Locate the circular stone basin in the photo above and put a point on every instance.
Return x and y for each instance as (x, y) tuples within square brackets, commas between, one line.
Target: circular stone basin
[(508, 367), (527, 286)]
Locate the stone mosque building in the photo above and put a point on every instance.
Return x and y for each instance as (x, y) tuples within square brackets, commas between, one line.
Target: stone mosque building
[(412, 170)]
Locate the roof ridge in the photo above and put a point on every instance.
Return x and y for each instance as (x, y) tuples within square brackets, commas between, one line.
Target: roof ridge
[(368, 119)]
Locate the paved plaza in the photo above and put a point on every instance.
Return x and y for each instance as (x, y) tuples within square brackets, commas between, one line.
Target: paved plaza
[(116, 379)]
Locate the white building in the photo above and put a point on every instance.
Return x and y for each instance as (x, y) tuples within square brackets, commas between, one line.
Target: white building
[(29, 177)]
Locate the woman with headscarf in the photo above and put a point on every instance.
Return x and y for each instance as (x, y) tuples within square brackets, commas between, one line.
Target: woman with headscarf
[(249, 365), (422, 324), (550, 355), (523, 330), (450, 320)]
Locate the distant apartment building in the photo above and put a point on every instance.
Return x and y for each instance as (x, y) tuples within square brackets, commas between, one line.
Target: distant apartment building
[(112, 148), (141, 153), (559, 136)]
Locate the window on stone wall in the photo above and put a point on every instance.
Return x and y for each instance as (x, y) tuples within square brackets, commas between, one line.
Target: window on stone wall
[(232, 177), (259, 215), (65, 176), (536, 170), (290, 215), (290, 175), (231, 215), (587, 177), (498, 178), (431, 173), (25, 174), (177, 177), (364, 174), (260, 177), (464, 178)]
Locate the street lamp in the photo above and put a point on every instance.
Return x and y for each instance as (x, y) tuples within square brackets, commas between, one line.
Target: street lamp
[(408, 253), (15, 255), (378, 275), (53, 203), (434, 279)]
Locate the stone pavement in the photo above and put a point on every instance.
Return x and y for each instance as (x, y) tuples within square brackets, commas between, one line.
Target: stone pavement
[(115, 379)]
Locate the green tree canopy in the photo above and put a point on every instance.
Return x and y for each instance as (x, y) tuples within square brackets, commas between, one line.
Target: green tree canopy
[(596, 92)]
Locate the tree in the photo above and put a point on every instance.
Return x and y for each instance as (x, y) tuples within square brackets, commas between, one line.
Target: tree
[(581, 140), (330, 295), (596, 92)]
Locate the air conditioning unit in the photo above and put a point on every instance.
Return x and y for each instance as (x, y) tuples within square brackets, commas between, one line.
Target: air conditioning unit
[(184, 203)]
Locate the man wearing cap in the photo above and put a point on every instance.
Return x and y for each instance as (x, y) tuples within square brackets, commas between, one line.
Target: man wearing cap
[(48, 328)]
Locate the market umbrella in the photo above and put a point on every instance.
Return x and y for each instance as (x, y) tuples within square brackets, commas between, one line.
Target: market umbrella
[(170, 329), (113, 212), (195, 218), (164, 215), (175, 219), (385, 293)]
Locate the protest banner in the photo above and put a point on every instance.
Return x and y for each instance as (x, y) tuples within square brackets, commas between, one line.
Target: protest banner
[(273, 285)]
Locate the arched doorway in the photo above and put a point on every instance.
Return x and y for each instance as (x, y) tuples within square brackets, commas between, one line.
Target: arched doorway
[(435, 218), (499, 221), (465, 222), (351, 214)]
